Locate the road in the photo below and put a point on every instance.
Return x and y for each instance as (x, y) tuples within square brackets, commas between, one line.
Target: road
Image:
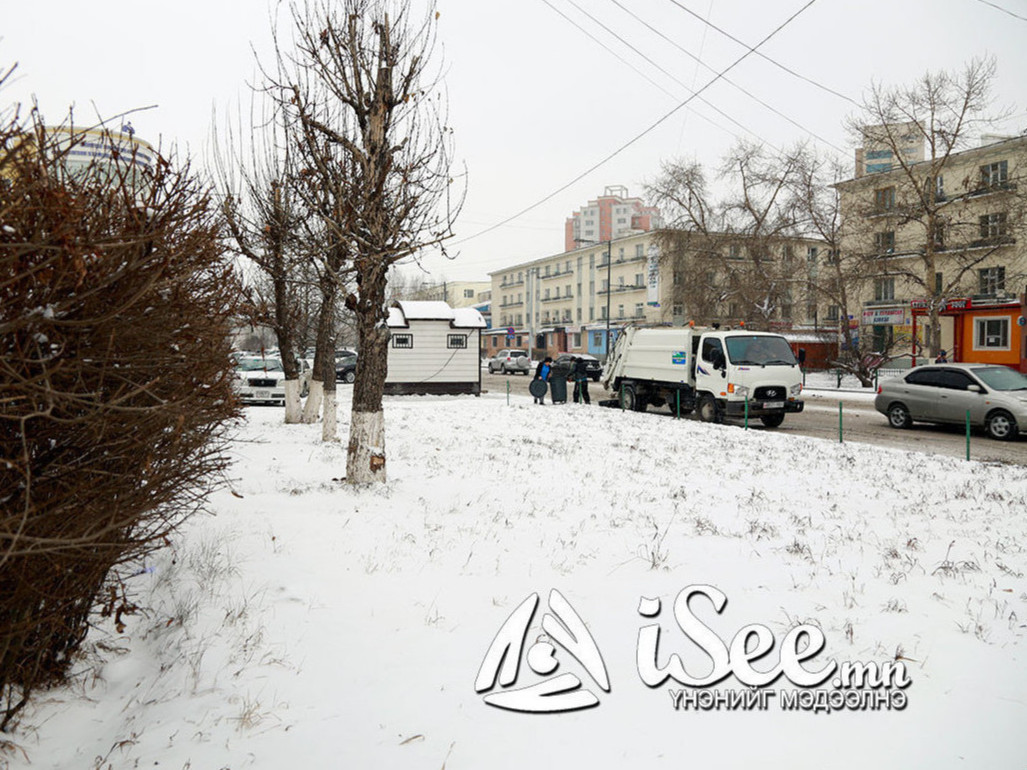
[(861, 424)]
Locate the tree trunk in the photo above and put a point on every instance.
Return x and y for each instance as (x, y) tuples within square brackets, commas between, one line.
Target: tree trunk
[(293, 412), (325, 350), (365, 457), (329, 431)]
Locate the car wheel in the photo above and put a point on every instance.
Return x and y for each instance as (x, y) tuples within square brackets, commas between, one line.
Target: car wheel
[(707, 409), (491, 370), (502, 369), (306, 390), (898, 416), (349, 377), (595, 378), (772, 420), (1001, 426)]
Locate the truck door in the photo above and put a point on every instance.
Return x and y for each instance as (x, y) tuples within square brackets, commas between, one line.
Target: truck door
[(710, 368)]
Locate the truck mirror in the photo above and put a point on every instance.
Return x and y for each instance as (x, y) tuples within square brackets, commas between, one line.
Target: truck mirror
[(717, 359)]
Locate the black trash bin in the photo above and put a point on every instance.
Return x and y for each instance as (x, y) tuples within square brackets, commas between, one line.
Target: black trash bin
[(558, 386)]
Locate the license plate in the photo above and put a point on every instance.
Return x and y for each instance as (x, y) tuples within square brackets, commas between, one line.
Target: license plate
[(262, 395), (774, 405)]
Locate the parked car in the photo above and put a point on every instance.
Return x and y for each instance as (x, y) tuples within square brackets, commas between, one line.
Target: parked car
[(995, 396), (510, 361), (346, 369), (261, 379), (564, 364)]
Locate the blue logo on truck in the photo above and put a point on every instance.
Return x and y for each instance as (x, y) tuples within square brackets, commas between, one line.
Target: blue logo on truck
[(679, 358)]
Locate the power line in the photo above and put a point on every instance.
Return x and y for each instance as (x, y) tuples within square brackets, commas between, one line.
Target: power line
[(653, 63), (699, 61), (1004, 10), (763, 56), (750, 50)]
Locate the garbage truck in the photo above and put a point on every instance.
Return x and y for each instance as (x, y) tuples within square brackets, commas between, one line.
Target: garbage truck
[(719, 373)]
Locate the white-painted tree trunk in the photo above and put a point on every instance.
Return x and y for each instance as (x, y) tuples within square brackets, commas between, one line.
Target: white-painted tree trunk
[(312, 409), (329, 429), (293, 409), (365, 460)]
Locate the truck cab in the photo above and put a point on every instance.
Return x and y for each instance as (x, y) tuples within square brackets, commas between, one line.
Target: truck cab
[(717, 372)]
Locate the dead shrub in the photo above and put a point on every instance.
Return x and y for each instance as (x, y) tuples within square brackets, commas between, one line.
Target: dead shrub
[(115, 386)]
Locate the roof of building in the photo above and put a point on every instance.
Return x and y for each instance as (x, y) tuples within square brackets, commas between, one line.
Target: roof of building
[(404, 311)]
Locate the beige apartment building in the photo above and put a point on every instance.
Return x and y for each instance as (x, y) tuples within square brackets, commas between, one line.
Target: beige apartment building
[(455, 293), (947, 233), (566, 301)]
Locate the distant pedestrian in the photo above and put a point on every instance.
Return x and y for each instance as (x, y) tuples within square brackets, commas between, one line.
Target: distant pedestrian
[(542, 372), (580, 374), (942, 358)]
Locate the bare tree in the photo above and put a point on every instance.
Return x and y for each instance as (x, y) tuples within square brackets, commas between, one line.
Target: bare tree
[(726, 253), (839, 277), (264, 223), (374, 166), (925, 230)]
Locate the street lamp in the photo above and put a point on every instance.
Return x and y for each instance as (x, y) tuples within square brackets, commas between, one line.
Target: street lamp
[(609, 283)]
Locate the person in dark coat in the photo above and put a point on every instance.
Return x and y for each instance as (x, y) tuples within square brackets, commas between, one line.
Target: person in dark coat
[(942, 358), (542, 372), (580, 374)]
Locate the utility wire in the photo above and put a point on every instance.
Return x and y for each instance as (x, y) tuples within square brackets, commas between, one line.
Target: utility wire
[(699, 61), (763, 56), (1004, 10), (750, 50), (653, 63)]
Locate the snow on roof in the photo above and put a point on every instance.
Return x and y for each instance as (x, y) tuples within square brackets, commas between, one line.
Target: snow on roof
[(404, 311)]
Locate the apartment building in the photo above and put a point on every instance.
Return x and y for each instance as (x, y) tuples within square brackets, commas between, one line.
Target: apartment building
[(567, 301), (455, 293), (943, 238), (610, 216)]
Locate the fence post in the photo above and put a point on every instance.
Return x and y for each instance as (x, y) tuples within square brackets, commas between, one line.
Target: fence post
[(747, 413), (622, 396), (967, 434), (677, 394), (841, 438)]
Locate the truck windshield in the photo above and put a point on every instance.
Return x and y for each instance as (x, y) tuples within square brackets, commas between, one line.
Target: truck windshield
[(759, 350)]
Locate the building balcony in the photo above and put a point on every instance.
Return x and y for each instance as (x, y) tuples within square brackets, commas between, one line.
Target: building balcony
[(557, 298)]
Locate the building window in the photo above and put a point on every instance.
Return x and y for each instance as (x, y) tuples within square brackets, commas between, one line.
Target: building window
[(639, 311), (939, 283), (639, 250), (992, 280), (884, 199), (456, 341), (547, 271), (468, 293), (787, 252), (620, 311), (833, 256), (597, 340), (993, 226), (884, 289), (994, 174), (991, 333), (884, 242), (734, 251), (639, 279), (832, 313), (677, 309), (602, 312), (811, 254), (402, 340)]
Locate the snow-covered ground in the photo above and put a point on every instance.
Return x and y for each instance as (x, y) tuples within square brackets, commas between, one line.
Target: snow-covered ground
[(308, 624)]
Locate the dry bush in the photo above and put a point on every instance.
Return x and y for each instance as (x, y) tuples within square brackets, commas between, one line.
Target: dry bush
[(115, 387)]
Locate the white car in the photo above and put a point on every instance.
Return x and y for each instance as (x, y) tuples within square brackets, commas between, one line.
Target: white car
[(261, 380)]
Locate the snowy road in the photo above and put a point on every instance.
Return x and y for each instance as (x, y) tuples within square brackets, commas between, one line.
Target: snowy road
[(861, 423)]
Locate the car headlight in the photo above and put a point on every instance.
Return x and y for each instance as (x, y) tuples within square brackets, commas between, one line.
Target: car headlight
[(795, 389), (742, 391)]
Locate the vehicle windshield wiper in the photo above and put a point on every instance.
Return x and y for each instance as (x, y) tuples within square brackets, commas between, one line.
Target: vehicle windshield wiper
[(779, 361), (745, 361)]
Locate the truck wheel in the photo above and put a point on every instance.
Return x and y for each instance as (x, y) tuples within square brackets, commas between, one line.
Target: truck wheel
[(772, 420), (631, 400), (707, 409)]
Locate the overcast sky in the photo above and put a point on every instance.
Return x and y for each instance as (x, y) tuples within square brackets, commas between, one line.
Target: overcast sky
[(534, 100)]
